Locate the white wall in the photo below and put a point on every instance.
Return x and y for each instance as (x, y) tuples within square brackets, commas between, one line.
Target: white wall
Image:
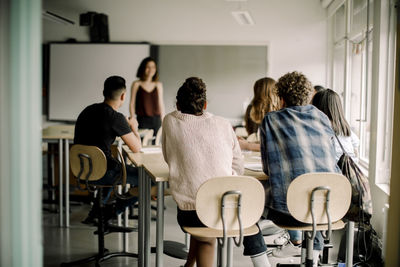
[(294, 30)]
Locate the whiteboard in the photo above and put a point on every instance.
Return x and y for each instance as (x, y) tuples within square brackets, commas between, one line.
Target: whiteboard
[(77, 73), (229, 72)]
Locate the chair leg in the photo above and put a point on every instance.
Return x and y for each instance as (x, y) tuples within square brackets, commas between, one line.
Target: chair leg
[(229, 253), (103, 253), (309, 256)]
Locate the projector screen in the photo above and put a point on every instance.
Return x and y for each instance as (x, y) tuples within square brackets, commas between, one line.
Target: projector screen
[(77, 73)]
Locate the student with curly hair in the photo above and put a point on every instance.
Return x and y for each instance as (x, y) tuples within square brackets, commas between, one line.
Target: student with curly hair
[(265, 100), (198, 146), (295, 140)]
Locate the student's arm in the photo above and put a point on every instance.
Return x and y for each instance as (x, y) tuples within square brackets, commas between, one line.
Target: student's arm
[(245, 145), (263, 147), (237, 161), (160, 99), (132, 102), (163, 139), (132, 139)]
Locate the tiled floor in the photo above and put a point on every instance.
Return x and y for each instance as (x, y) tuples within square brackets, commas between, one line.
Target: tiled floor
[(78, 241)]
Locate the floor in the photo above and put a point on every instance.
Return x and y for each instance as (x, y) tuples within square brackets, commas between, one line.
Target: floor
[(78, 241)]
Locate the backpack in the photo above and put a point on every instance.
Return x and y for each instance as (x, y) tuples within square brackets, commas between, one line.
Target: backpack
[(361, 203)]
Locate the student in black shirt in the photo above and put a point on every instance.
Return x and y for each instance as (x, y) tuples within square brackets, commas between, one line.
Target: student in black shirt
[(99, 125)]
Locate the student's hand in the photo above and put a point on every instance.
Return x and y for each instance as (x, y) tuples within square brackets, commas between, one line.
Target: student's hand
[(243, 143)]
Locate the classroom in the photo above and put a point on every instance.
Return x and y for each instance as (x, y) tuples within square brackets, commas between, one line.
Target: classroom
[(56, 56)]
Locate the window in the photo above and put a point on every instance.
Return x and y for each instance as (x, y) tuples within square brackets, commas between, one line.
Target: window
[(367, 96)]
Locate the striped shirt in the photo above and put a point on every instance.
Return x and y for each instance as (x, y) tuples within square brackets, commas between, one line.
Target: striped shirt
[(295, 140)]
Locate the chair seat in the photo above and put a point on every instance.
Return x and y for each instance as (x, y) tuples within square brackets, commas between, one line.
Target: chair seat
[(320, 227), (210, 232)]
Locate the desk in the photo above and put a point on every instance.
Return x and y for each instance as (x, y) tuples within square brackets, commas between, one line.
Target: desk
[(62, 134), (154, 166)]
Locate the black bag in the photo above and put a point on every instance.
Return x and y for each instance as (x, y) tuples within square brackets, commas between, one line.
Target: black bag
[(361, 203)]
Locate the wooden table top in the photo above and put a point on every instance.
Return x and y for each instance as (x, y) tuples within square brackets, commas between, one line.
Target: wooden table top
[(158, 169)]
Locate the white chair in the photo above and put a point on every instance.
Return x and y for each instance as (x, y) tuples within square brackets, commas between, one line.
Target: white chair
[(89, 164), (252, 138), (241, 131), (230, 207), (147, 137), (320, 200), (158, 137)]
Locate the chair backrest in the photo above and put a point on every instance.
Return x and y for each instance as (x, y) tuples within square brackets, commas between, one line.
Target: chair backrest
[(241, 131), (299, 197), (82, 156), (147, 137), (252, 138), (209, 195), (158, 137)]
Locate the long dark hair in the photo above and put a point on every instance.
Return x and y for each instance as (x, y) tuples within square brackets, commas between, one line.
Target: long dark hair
[(328, 101), (142, 67), (191, 96)]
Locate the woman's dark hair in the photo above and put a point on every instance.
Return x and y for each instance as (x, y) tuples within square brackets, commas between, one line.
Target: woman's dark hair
[(142, 67), (191, 96), (113, 87), (328, 101), (318, 88)]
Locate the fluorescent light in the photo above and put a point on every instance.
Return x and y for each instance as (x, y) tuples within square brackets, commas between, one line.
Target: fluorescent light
[(56, 18), (243, 17)]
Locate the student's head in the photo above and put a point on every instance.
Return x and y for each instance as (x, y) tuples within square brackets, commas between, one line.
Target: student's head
[(265, 99), (114, 88), (328, 101), (191, 96), (294, 89), (318, 88), (147, 68)]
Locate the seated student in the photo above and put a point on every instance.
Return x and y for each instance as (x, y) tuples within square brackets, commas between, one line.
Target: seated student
[(328, 101), (98, 125), (264, 101), (295, 140), (198, 146)]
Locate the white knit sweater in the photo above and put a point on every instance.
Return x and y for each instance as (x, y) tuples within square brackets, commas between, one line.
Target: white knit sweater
[(196, 149)]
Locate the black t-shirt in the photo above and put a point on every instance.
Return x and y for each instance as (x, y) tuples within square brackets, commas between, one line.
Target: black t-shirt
[(99, 125)]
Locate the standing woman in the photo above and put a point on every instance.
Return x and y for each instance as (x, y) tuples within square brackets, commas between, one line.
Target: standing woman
[(147, 96)]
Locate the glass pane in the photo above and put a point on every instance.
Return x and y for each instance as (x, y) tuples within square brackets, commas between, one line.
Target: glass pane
[(355, 90), (366, 122), (360, 18), (340, 20), (338, 70)]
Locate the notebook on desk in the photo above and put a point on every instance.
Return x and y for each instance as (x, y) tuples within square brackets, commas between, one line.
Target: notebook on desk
[(254, 166), (151, 149)]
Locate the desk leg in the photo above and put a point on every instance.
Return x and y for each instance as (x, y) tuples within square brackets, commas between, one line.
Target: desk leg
[(66, 182), (60, 182), (160, 224), (141, 217), (147, 220), (349, 243)]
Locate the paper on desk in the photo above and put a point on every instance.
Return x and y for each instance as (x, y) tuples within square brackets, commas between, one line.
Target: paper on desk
[(150, 150), (256, 167)]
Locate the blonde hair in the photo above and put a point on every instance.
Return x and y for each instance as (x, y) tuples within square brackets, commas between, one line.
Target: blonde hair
[(265, 99)]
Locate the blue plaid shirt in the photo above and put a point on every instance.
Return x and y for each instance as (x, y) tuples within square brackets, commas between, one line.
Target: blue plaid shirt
[(294, 141)]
